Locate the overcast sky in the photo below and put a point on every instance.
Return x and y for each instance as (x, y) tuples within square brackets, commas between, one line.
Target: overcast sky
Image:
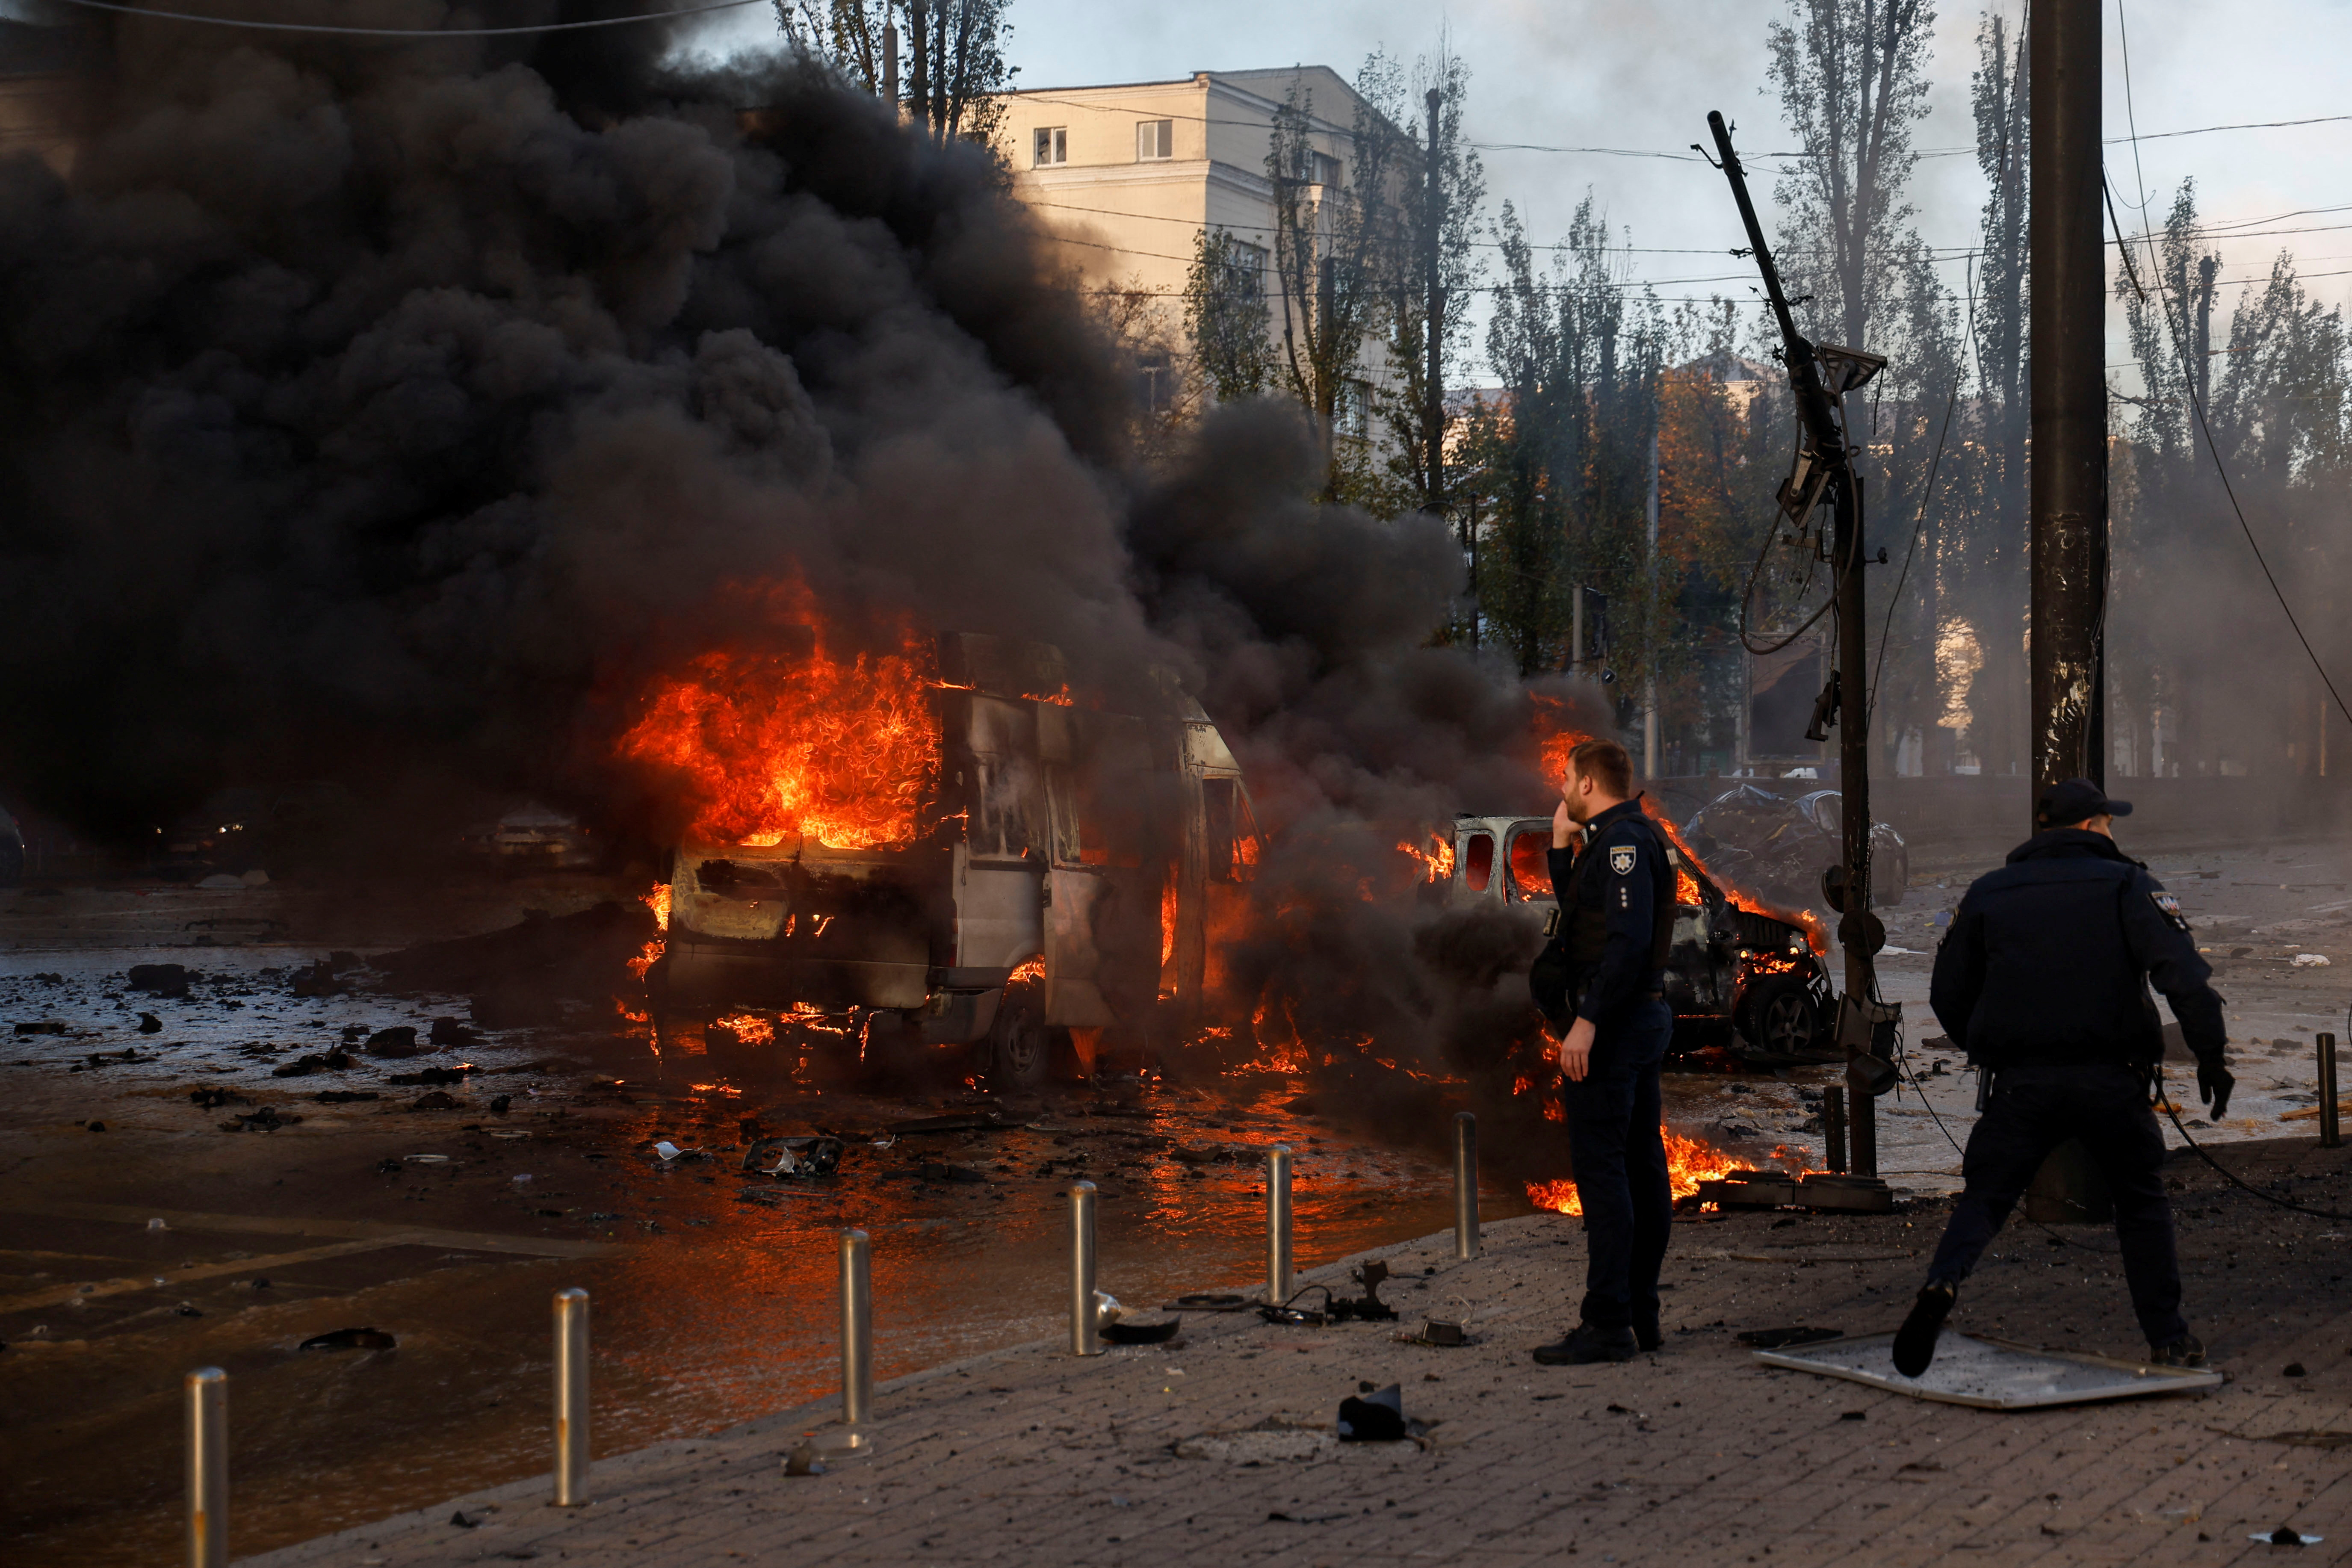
[(1582, 73)]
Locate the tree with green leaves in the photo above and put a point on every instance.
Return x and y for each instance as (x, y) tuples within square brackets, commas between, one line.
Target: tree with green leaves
[(1225, 316), (1335, 218)]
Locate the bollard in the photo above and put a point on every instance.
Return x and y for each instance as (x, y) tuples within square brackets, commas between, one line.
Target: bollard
[(2330, 1133), (1834, 1127), (570, 1399), (208, 1468), (856, 1335), (1466, 1185), (1085, 1337), (1278, 1225)]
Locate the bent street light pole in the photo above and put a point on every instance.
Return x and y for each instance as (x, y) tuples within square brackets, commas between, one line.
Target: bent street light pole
[(2069, 392), (1827, 438)]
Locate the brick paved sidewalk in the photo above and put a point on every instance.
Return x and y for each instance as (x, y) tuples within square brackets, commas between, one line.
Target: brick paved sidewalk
[(1693, 1456)]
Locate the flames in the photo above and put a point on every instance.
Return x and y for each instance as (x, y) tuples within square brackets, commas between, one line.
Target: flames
[(1689, 1162), (1032, 970), (1437, 862), (834, 746), (748, 1027), (1816, 934)]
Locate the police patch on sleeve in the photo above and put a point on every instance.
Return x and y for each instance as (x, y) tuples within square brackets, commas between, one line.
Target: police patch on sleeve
[(2170, 908), (1621, 859)]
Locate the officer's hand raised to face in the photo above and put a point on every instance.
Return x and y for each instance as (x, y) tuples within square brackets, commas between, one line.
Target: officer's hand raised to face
[(1563, 827), (2213, 1086)]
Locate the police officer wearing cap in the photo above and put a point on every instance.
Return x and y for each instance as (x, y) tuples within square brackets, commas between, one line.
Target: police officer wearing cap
[(1600, 982), (2043, 979)]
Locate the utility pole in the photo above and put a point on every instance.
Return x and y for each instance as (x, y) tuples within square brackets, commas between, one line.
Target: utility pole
[(1821, 376), (1434, 217), (2068, 513), (2068, 509), (890, 66)]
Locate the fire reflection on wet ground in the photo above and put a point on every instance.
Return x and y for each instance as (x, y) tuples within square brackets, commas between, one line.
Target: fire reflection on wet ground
[(715, 1304)]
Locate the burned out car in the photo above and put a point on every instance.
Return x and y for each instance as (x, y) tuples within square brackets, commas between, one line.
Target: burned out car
[(1053, 908), (1730, 965), (1781, 845)]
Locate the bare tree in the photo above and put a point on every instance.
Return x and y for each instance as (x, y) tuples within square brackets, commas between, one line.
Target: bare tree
[(955, 78)]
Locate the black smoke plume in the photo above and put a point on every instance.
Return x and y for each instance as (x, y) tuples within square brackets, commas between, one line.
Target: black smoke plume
[(392, 412)]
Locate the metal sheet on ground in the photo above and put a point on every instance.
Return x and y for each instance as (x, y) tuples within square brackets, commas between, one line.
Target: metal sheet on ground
[(1992, 1375)]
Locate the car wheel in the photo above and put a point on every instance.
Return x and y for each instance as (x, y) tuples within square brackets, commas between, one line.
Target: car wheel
[(1020, 1047), (1779, 1018)]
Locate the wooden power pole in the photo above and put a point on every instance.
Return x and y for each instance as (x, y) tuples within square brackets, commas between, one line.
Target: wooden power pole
[(1434, 283)]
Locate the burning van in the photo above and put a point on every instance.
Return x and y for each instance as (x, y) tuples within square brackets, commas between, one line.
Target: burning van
[(1048, 899), (1728, 964)]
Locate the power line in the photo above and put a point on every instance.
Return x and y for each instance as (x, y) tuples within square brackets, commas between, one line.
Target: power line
[(420, 33), (2179, 330)]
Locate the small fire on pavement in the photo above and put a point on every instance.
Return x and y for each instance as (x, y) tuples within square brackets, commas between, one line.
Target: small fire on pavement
[(1689, 1162)]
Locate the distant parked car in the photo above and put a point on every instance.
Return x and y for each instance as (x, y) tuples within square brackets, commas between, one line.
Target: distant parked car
[(537, 836), (1779, 846)]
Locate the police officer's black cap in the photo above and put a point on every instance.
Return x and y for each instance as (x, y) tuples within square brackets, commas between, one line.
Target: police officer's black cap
[(2077, 800)]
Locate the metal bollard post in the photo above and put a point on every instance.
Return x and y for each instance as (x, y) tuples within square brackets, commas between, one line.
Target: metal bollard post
[(1086, 1337), (208, 1468), (1277, 1223), (2330, 1133), (1834, 1127), (570, 1399), (856, 1335), (1466, 1185)]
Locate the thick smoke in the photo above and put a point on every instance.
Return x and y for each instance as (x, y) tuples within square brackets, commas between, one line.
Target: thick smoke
[(393, 413)]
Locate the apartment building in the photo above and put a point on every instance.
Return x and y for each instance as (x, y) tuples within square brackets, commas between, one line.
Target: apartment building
[(1128, 176)]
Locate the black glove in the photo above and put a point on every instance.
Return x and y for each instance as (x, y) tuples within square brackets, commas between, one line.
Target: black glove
[(2213, 1086)]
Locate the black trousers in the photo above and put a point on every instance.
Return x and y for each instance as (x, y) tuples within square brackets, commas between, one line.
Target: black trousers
[(2036, 1108), (1620, 1165)]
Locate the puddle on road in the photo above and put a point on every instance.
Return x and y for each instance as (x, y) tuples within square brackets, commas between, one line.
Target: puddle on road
[(708, 1311)]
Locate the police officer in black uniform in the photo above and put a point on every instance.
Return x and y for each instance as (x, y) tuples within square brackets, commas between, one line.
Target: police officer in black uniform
[(1600, 982), (2044, 978)]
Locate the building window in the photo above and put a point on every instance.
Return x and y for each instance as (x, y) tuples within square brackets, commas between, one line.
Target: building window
[(1351, 414), (1053, 145), (1322, 169), (1154, 140), (1155, 382)]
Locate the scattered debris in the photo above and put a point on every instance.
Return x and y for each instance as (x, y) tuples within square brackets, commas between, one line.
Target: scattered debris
[(349, 1340), (427, 1159), (1379, 1419), (345, 1096), (451, 1032), (1369, 1308), (2293, 1369), (214, 1099), (312, 1061), (150, 1025), (436, 1099), (2285, 1535), (430, 1075), (94, 1126), (43, 1026), (1438, 1332), (803, 1460), (2311, 960), (797, 1158), (498, 1103), (161, 979), (458, 1519), (394, 1042), (669, 1154), (1211, 1302), (265, 1120)]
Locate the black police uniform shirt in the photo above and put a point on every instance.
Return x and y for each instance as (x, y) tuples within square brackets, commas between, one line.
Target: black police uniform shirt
[(1627, 884), (2048, 960)]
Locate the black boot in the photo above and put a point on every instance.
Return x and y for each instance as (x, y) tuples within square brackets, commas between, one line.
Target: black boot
[(2186, 1351), (1587, 1344), (1914, 1341), (1647, 1335)]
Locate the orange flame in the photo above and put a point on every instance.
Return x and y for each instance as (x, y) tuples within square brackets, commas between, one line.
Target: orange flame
[(748, 1027), (1032, 970), (657, 900), (1689, 1162), (1167, 921), (840, 747), (1816, 934), (648, 956), (1437, 862)]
